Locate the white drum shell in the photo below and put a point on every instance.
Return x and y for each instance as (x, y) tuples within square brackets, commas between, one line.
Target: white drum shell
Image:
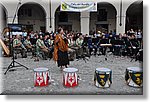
[(71, 72), (131, 70), (40, 72), (103, 70)]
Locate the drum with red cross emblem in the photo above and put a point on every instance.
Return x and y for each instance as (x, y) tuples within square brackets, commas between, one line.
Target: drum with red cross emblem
[(41, 77), (70, 77)]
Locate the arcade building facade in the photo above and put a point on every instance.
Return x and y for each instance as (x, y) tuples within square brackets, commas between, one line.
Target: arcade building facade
[(45, 15)]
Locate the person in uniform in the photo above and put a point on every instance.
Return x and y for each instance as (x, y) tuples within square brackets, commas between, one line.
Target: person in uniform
[(18, 46), (71, 51), (79, 43), (50, 41), (51, 45), (41, 48), (28, 45), (61, 49)]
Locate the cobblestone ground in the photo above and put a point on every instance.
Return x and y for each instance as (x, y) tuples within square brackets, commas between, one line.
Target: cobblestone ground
[(21, 80)]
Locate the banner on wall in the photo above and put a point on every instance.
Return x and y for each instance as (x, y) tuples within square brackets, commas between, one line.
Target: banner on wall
[(78, 6)]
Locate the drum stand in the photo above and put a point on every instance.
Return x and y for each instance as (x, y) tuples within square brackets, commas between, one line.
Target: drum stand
[(83, 57), (13, 65), (136, 56), (106, 56)]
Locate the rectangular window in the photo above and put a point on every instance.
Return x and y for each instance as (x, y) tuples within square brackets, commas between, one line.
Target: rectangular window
[(102, 15), (29, 12), (25, 12), (63, 17)]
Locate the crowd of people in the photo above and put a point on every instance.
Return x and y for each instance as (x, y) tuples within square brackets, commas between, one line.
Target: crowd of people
[(72, 45)]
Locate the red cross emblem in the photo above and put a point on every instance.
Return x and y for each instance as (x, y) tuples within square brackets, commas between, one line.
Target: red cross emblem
[(71, 79), (39, 79)]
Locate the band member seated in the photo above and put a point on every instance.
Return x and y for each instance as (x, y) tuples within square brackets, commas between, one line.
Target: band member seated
[(90, 46), (49, 44), (41, 48), (93, 45), (71, 41), (85, 44), (128, 46), (135, 45), (71, 45), (111, 40), (35, 38), (61, 49), (106, 35), (139, 36), (46, 41), (79, 43), (18, 46), (28, 45), (118, 45)]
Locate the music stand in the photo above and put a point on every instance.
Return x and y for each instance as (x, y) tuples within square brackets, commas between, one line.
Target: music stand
[(83, 57), (105, 41), (12, 64), (118, 43)]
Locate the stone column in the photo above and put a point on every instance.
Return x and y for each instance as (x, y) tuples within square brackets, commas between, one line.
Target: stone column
[(53, 24), (48, 24), (84, 19), (50, 27), (120, 25)]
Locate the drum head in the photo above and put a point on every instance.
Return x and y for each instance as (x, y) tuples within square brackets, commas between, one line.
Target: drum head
[(103, 69), (70, 70), (41, 69), (137, 69)]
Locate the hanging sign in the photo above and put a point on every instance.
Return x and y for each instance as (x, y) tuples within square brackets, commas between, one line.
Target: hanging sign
[(78, 6)]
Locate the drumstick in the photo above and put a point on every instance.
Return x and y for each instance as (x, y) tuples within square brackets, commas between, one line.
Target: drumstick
[(4, 47)]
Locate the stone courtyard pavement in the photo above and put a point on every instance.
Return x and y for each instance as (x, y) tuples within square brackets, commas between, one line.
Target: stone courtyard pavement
[(21, 80)]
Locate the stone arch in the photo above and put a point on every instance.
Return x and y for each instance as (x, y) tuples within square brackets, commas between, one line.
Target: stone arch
[(4, 15), (68, 20), (104, 19), (134, 16), (33, 16)]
